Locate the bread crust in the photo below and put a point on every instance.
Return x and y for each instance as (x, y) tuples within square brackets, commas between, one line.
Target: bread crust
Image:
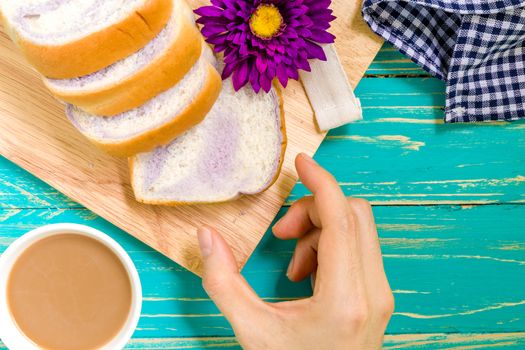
[(284, 140), (156, 77), (100, 49), (193, 114), (284, 144)]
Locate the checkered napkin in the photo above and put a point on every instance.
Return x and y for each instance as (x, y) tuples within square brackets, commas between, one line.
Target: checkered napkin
[(476, 46)]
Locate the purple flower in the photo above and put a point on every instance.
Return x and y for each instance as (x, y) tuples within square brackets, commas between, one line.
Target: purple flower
[(264, 39)]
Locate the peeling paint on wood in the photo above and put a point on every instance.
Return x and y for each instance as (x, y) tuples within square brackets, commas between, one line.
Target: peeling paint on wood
[(383, 141), (455, 341), (402, 150), (441, 261), (455, 266), (463, 313), (505, 341)]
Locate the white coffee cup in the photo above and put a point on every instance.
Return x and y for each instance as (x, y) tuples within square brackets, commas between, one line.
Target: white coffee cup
[(11, 336)]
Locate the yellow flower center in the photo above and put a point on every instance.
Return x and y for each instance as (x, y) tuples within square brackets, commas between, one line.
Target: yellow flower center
[(266, 21)]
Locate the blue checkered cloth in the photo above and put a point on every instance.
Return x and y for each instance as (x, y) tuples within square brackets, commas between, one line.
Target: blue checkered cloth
[(476, 46)]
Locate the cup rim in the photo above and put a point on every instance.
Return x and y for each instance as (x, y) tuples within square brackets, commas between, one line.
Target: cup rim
[(12, 336)]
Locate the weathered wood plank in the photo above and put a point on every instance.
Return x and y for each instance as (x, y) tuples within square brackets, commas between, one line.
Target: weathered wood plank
[(505, 341), (455, 341), (389, 61), (184, 343), (19, 189), (403, 341), (401, 153), (452, 269), (36, 136)]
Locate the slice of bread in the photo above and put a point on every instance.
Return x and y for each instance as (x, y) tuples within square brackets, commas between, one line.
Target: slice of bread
[(71, 38), (238, 149), (158, 121), (131, 82)]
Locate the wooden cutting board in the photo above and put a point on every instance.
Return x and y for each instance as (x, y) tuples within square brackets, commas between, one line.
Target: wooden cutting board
[(35, 134)]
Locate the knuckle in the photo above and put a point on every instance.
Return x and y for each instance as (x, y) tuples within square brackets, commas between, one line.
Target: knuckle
[(387, 306), (330, 179), (304, 201), (359, 316), (383, 307), (347, 223), (356, 316), (359, 206), (213, 284), (300, 201), (334, 182)]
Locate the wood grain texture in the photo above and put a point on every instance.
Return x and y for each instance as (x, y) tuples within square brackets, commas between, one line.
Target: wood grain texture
[(506, 341), (455, 269), (36, 136), (452, 269), (390, 62), (401, 153)]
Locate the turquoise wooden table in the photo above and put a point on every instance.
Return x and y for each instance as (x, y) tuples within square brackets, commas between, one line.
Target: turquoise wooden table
[(450, 207)]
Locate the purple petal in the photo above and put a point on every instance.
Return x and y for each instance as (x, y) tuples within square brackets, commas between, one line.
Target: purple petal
[(304, 32), (213, 29), (282, 75), (271, 71), (217, 39), (317, 5), (303, 64), (292, 73), (240, 76), (219, 48), (315, 51), (211, 20), (243, 51), (209, 11), (322, 36), (218, 3), (266, 82), (254, 80), (261, 63), (249, 59), (228, 70)]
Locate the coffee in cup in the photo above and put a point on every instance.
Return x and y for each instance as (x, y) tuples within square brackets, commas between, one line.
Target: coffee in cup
[(69, 290)]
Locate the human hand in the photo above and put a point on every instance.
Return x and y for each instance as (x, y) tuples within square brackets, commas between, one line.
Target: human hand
[(338, 243)]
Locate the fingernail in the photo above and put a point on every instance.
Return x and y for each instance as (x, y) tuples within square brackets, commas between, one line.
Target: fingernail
[(277, 224), (290, 266), (308, 158), (205, 241)]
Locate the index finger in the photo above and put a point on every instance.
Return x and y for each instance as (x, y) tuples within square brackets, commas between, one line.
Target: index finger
[(330, 201), (338, 254)]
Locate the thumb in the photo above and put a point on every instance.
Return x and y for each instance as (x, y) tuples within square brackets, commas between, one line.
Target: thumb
[(223, 282)]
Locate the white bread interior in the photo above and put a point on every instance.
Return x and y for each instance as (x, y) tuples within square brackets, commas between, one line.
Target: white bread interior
[(237, 149)]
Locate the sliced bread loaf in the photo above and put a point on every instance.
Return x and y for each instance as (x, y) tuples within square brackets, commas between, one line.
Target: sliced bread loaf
[(238, 149), (158, 121), (136, 79), (71, 38)]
